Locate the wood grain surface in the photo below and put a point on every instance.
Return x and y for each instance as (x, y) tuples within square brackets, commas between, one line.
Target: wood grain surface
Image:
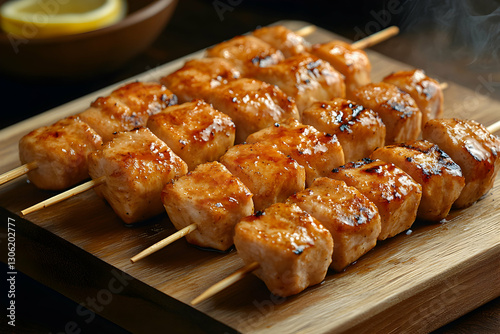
[(414, 282)]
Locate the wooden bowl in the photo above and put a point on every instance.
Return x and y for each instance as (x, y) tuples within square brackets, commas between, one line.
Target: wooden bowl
[(86, 54)]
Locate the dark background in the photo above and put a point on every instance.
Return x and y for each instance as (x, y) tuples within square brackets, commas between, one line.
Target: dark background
[(455, 41)]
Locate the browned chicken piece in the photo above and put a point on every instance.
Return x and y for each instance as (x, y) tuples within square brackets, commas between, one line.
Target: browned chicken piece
[(211, 198), (473, 148), (283, 39), (358, 129), (197, 78), (306, 78), (135, 165), (195, 131), (316, 151), (292, 248), (396, 195), (352, 219), (351, 62), (440, 177), (398, 110), (60, 151), (127, 108), (424, 90), (270, 175), (247, 53), (252, 105)]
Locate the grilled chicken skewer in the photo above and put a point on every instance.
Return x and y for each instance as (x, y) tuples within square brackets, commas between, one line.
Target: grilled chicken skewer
[(348, 59), (467, 136), (202, 136), (56, 155)]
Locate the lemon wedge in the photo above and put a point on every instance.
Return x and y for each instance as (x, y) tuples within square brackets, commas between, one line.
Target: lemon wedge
[(50, 18)]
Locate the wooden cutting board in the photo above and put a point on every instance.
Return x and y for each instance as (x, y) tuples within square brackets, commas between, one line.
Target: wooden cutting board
[(414, 282)]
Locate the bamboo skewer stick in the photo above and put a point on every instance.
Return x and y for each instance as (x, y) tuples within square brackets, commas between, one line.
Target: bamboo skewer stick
[(165, 242), (65, 195), (306, 31), (17, 172), (494, 127), (363, 43), (376, 38), (226, 282)]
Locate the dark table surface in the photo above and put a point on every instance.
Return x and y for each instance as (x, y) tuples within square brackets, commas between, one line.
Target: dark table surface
[(456, 41)]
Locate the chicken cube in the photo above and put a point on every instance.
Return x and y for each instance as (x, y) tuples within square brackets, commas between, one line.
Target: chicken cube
[(195, 131), (269, 174), (440, 177), (424, 90), (247, 53), (398, 110), (283, 39), (306, 78), (352, 219), (252, 105), (394, 192), (316, 151), (135, 166), (127, 108), (351, 62), (60, 151), (213, 199), (292, 248), (197, 78), (358, 129), (473, 148)]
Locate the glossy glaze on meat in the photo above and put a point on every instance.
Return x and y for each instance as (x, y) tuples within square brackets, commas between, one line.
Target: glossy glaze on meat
[(396, 195), (136, 166), (424, 90), (197, 78), (127, 108), (306, 78), (398, 110), (247, 53), (316, 151), (351, 62), (291, 247), (213, 199), (358, 129), (283, 39), (269, 174), (440, 177), (60, 151), (352, 219), (252, 105), (195, 131), (473, 148)]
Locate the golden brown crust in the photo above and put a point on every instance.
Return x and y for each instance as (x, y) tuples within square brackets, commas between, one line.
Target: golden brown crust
[(195, 131), (426, 92), (358, 129), (352, 63), (440, 177), (60, 151), (136, 166), (398, 110), (472, 147), (396, 195), (316, 151), (211, 198)]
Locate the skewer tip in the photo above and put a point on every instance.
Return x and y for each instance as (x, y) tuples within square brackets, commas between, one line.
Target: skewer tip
[(226, 282)]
